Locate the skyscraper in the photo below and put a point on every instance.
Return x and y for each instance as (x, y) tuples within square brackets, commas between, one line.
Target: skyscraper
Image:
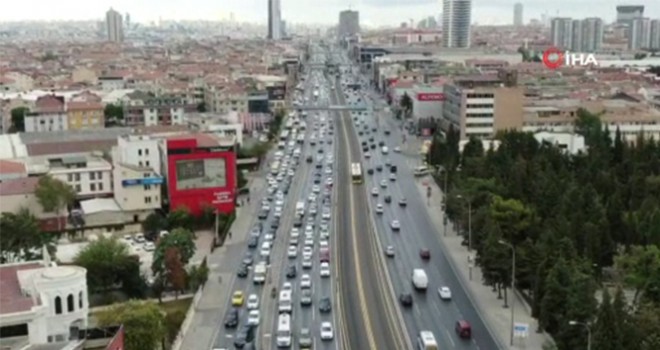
[(274, 20), (518, 14), (349, 23), (592, 34), (113, 26), (577, 35), (655, 34), (626, 13), (639, 34), (456, 17), (561, 32)]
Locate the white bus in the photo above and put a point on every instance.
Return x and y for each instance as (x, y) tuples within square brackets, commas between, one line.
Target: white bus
[(426, 341), (285, 303), (284, 331), (356, 173)]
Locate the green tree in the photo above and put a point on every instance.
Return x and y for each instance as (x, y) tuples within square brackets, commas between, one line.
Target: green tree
[(21, 236), (154, 222), (638, 266), (180, 238), (606, 330), (113, 112), (180, 218), (173, 321), (554, 303), (18, 118), (201, 107), (144, 323), (197, 276), (103, 258), (406, 104), (54, 196)]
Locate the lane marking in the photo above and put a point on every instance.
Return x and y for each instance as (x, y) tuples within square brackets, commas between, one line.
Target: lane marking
[(450, 338)]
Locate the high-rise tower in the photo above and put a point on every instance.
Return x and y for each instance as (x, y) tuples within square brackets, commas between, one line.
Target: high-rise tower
[(114, 26), (274, 20), (456, 17)]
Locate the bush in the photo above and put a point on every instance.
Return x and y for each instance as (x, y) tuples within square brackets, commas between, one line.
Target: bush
[(173, 321)]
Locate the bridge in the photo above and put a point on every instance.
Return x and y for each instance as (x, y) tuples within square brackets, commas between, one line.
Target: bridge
[(357, 108)]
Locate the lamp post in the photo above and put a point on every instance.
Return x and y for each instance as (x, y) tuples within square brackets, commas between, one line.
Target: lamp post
[(513, 283), (469, 203), (587, 327)]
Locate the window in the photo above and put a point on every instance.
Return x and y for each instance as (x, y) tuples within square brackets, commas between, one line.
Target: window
[(146, 174), (147, 187), (100, 184), (77, 176), (146, 163), (78, 188), (99, 175), (91, 175), (146, 152), (139, 152), (58, 305), (92, 187), (69, 303), (69, 177), (140, 163), (147, 200), (80, 300)]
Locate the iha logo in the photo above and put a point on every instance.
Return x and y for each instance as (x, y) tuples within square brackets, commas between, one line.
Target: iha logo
[(553, 58)]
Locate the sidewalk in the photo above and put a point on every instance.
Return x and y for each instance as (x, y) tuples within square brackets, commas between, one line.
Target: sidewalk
[(497, 318), (210, 309)]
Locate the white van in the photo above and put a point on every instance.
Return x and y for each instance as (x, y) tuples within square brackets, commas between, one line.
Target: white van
[(265, 250), (285, 303), (259, 276), (426, 341), (300, 208), (419, 279), (284, 331), (385, 150), (421, 170)]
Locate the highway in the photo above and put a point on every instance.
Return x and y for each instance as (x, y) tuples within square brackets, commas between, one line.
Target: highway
[(370, 317), (428, 312)]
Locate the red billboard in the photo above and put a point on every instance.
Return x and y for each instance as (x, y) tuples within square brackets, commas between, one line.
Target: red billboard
[(200, 176), (428, 96)]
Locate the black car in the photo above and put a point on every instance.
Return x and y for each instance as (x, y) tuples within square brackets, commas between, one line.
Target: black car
[(320, 150), (379, 168), (393, 169), (242, 271), (371, 139), (360, 133), (365, 149), (373, 146), (364, 143), (243, 336), (291, 271), (297, 222), (387, 132), (406, 299), (388, 199), (381, 143), (263, 215), (403, 202), (325, 305), (253, 242), (317, 180), (319, 165), (231, 319), (275, 223), (373, 129), (370, 171), (310, 159)]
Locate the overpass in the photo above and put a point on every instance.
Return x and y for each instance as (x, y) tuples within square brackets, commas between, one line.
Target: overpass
[(357, 108)]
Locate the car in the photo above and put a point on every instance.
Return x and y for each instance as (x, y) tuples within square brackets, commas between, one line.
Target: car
[(253, 318), (396, 225), (326, 331), (306, 297), (275, 223), (383, 184), (237, 299), (325, 305), (287, 286), (248, 259), (232, 318), (388, 199), (403, 202), (305, 281), (252, 302), (242, 271), (149, 246), (305, 340), (291, 271), (370, 171), (324, 270), (307, 252), (444, 292), (379, 168), (406, 299), (307, 262), (389, 251), (392, 177), (425, 253), (366, 154), (397, 149), (244, 336), (292, 253), (374, 191), (253, 242)]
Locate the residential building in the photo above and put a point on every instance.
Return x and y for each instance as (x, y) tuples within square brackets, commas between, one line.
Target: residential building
[(639, 34), (223, 126), (141, 151), (49, 115), (561, 32), (20, 193), (111, 83), (137, 189), (480, 106), (88, 175), (655, 34), (456, 23), (576, 35), (592, 35), (226, 98), (114, 26), (146, 109), (50, 301), (349, 23), (10, 170), (518, 14), (85, 115), (274, 20), (571, 143), (626, 13)]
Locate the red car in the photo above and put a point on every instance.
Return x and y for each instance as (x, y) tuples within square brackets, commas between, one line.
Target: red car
[(425, 253)]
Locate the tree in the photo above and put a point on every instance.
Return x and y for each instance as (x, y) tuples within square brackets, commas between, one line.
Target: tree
[(154, 223), (144, 323), (54, 196), (18, 118), (103, 260), (180, 238), (113, 111), (201, 107), (638, 266), (606, 330), (21, 236), (406, 104), (176, 274), (180, 218), (197, 276)]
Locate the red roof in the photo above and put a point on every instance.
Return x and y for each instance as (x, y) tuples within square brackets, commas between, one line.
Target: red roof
[(25, 185), (12, 299), (9, 167)]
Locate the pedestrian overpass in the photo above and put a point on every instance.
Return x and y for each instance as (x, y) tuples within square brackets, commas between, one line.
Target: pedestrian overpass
[(356, 108)]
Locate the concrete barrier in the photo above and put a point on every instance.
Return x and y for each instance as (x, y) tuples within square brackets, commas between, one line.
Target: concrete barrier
[(186, 321)]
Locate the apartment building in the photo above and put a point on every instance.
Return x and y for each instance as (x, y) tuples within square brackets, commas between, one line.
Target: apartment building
[(85, 115), (141, 151), (88, 174), (226, 98), (146, 109), (137, 188), (49, 115), (480, 106)]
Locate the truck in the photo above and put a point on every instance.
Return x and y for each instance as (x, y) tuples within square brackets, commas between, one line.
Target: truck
[(260, 271), (419, 280)]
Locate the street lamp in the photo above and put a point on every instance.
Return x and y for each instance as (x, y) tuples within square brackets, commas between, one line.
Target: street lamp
[(513, 282), (587, 327), (469, 221)]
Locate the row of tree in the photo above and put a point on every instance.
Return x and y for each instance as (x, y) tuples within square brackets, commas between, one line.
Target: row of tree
[(581, 225)]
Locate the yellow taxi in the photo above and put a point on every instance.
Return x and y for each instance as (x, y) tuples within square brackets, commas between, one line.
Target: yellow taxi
[(237, 298)]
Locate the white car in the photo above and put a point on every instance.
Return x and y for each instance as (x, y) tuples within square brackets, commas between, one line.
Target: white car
[(326, 331), (325, 269), (292, 253), (374, 191), (316, 188), (253, 302), (329, 182), (367, 155), (328, 171), (392, 177), (307, 252), (444, 292), (253, 318), (324, 245), (395, 225), (325, 234), (287, 286), (397, 149), (326, 215), (309, 230), (383, 183), (309, 242), (295, 232), (307, 262), (379, 208), (149, 246), (305, 281)]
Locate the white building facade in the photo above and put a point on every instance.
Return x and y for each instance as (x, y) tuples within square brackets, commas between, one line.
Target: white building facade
[(46, 122), (140, 151), (89, 176)]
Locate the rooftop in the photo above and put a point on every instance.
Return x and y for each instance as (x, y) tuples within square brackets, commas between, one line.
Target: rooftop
[(24, 185), (12, 299)]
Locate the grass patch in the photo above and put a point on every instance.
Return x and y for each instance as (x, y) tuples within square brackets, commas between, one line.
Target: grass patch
[(172, 306)]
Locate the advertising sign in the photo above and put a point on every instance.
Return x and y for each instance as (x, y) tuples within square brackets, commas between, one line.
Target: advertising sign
[(435, 96), (222, 197), (144, 181)]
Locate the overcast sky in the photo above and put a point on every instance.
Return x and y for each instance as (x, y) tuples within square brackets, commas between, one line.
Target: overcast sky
[(372, 12)]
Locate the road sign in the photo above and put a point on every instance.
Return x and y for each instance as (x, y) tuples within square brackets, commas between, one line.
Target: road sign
[(521, 330)]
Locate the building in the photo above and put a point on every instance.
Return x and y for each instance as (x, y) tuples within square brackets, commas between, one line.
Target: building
[(518, 14), (49, 115), (114, 26), (349, 23), (201, 172), (45, 302), (85, 115), (626, 13), (140, 151), (137, 188), (146, 109), (480, 106), (639, 33), (561, 32), (20, 193), (456, 21), (655, 34), (223, 126), (88, 174), (592, 35), (274, 20), (571, 143)]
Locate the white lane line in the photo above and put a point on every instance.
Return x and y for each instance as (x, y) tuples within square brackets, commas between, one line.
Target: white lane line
[(450, 338)]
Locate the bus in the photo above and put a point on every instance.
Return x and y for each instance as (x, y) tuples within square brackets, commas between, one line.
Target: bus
[(284, 331), (426, 341), (356, 173)]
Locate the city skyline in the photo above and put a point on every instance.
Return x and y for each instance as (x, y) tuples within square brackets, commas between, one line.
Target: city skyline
[(372, 12)]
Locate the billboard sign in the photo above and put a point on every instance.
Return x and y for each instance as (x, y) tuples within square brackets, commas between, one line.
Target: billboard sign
[(435, 96), (144, 181)]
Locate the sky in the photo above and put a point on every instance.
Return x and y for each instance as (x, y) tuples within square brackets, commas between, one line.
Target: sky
[(372, 12)]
